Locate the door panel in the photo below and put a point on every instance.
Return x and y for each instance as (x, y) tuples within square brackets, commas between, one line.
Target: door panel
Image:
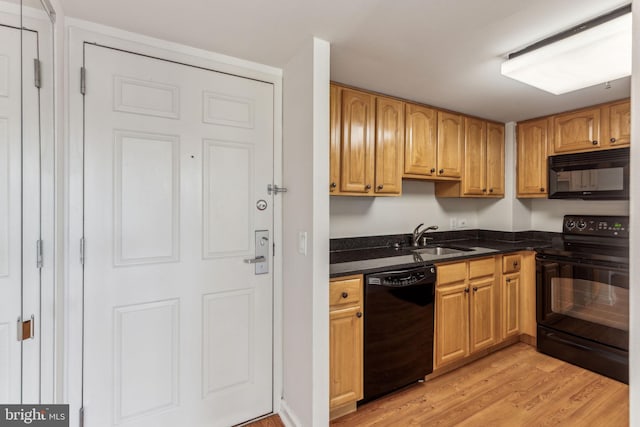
[(483, 314), (532, 158), (19, 216), (357, 160), (450, 145), (178, 328), (452, 323), (495, 159), (10, 215), (475, 164), (389, 145), (421, 140)]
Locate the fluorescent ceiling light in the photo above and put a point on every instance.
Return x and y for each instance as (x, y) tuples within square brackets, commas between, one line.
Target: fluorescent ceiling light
[(593, 56)]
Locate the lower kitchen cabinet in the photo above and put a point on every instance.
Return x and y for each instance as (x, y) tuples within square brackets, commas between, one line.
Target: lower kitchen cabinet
[(451, 324), (345, 344), (510, 305), (482, 314), (465, 320)]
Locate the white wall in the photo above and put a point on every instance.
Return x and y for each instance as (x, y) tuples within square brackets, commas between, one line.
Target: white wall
[(365, 216), (306, 209), (634, 288), (546, 215)]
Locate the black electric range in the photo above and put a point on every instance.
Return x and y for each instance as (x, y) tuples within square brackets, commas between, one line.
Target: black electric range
[(582, 285)]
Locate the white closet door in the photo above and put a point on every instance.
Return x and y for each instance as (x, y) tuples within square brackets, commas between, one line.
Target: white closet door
[(10, 216), (19, 217), (178, 328)]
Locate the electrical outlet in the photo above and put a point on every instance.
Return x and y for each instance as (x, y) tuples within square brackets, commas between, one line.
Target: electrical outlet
[(453, 224), (462, 223)]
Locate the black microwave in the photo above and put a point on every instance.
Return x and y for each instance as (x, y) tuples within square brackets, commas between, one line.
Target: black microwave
[(596, 175)]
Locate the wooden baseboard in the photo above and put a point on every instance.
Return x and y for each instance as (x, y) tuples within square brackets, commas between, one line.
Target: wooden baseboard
[(528, 339), (341, 410)]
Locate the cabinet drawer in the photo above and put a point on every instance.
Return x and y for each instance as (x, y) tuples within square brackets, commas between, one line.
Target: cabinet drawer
[(451, 273), (345, 291), (511, 263), (481, 267)]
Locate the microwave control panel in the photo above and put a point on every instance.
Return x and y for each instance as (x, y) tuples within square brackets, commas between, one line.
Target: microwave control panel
[(590, 225)]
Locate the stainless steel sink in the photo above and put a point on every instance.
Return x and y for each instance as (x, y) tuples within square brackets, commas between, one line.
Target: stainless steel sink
[(441, 250)]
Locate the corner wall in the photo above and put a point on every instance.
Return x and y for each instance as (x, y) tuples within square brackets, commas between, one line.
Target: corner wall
[(305, 400)]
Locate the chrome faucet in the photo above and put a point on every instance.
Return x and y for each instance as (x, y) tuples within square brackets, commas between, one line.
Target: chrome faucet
[(417, 234)]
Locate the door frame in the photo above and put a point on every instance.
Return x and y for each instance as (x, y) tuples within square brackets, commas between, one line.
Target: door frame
[(78, 33)]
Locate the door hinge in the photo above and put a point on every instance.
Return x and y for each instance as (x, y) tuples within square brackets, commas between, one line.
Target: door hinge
[(83, 80), (275, 189), (81, 417), (25, 329), (36, 73), (82, 249), (39, 253)]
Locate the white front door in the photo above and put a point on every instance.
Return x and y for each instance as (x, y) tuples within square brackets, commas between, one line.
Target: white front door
[(177, 327), (19, 216)]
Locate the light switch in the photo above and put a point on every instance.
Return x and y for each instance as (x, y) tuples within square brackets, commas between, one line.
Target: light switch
[(302, 243)]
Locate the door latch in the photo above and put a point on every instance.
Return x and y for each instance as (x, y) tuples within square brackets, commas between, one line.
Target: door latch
[(275, 189), (25, 329), (261, 260)]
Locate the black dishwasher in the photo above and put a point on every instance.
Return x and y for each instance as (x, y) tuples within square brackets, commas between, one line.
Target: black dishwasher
[(398, 329)]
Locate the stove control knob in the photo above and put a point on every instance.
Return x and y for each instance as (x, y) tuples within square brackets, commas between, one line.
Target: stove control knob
[(581, 224), (570, 224)]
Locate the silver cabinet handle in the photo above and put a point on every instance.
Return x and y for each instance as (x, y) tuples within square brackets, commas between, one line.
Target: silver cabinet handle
[(255, 260)]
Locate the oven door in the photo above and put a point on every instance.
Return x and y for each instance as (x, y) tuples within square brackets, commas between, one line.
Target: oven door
[(589, 301)]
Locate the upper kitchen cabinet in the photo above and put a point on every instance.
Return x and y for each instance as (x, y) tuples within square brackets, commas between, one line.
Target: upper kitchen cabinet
[(421, 144), (495, 159), (617, 123), (389, 145), (334, 138), (450, 145), (594, 128), (434, 147), (576, 131), (483, 163), (532, 158), (357, 161), (366, 142)]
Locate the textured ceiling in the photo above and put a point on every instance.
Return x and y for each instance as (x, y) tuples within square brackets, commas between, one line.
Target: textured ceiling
[(445, 53)]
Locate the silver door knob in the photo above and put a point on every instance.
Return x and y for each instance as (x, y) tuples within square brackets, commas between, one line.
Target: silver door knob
[(255, 260)]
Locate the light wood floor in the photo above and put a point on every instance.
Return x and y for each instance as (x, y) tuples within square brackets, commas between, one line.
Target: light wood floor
[(516, 386)]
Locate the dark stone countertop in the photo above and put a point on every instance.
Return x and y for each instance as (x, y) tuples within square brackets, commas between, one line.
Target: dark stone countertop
[(365, 255)]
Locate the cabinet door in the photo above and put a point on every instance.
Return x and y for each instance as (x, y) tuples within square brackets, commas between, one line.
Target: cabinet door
[(389, 145), (495, 159), (482, 313), (334, 138), (510, 305), (452, 324), (357, 139), (450, 145), (421, 140), (619, 117), (475, 162), (532, 158), (577, 131), (346, 352)]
